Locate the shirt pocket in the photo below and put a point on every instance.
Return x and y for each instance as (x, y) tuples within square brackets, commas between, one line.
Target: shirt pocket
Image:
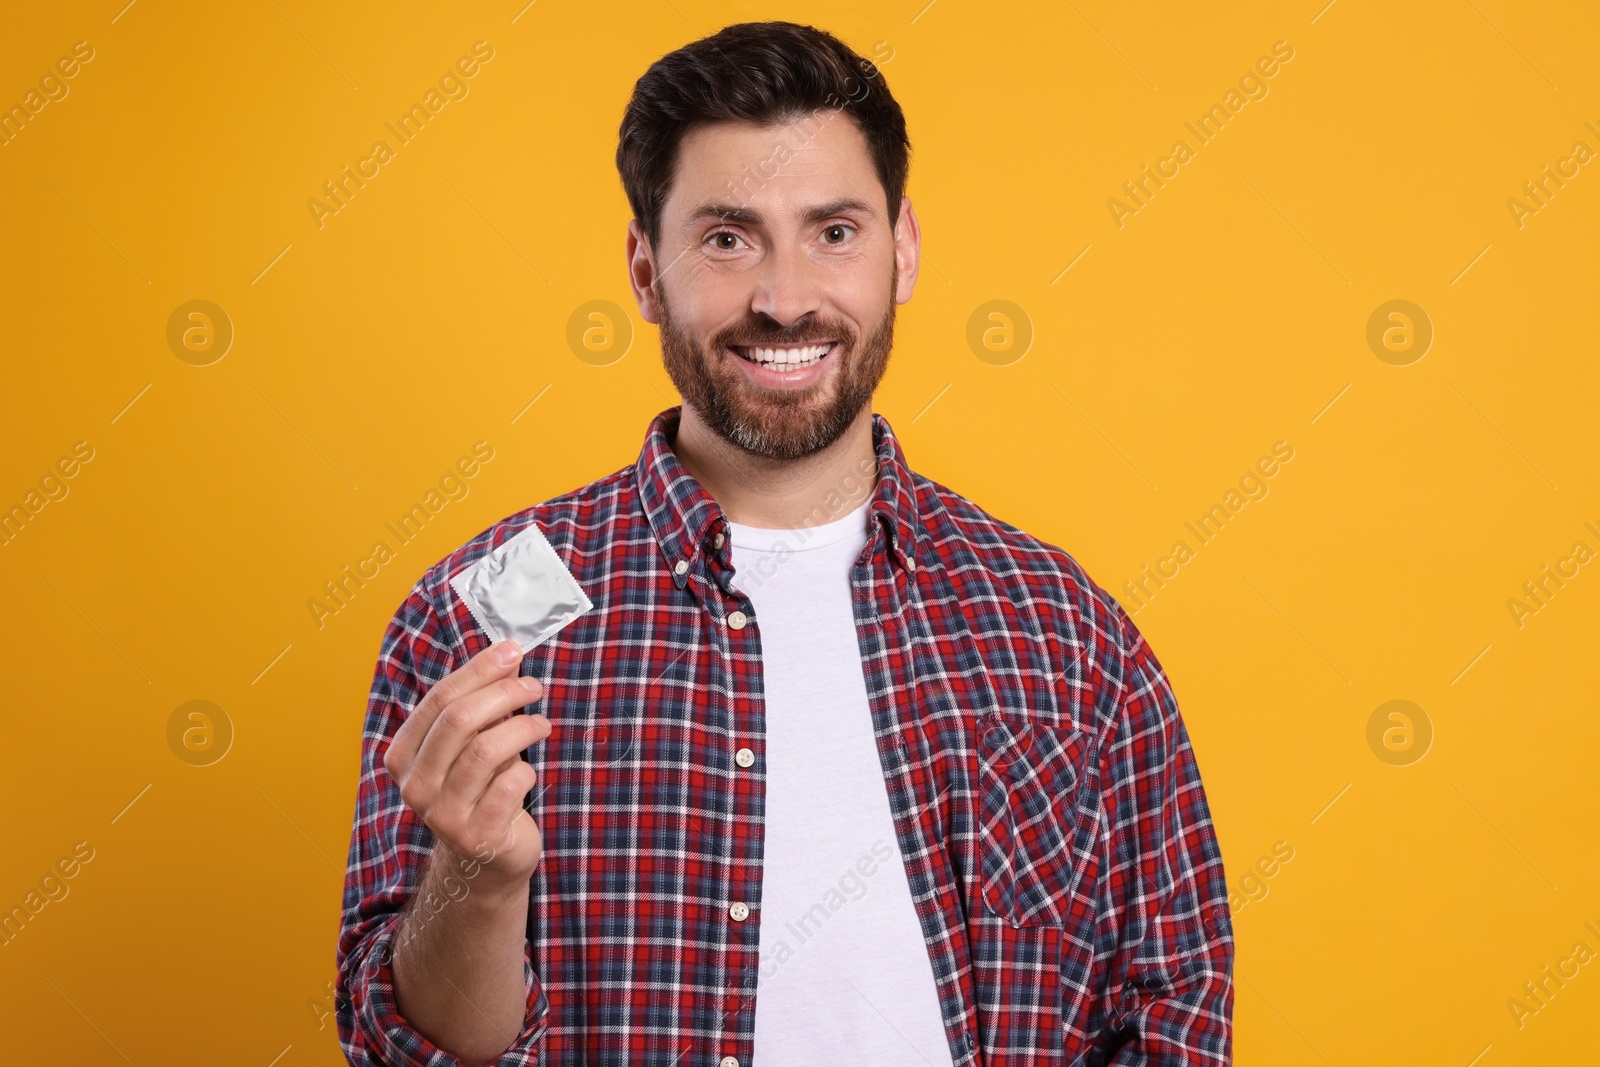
[(1036, 827)]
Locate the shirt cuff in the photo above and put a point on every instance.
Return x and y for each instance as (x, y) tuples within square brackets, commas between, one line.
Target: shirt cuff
[(384, 1031)]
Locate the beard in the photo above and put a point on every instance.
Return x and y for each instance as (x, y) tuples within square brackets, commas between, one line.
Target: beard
[(778, 424)]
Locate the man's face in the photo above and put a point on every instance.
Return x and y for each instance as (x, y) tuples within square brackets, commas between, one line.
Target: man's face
[(776, 280)]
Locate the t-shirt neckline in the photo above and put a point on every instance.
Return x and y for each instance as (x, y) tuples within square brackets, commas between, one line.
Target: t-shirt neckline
[(763, 539)]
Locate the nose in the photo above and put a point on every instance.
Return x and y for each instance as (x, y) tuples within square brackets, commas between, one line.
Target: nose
[(787, 286)]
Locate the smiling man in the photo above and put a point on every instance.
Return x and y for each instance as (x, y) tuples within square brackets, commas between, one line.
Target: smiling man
[(839, 767)]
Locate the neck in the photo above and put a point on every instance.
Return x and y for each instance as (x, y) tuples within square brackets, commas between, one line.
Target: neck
[(780, 494)]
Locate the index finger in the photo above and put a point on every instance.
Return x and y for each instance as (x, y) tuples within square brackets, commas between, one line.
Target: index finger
[(489, 665)]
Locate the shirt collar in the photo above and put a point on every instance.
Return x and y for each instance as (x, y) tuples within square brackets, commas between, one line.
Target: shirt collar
[(685, 517)]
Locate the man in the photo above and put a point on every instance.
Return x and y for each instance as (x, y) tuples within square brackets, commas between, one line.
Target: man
[(839, 767)]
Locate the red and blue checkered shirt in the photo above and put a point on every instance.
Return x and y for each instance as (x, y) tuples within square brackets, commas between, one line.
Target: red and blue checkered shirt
[(1057, 840)]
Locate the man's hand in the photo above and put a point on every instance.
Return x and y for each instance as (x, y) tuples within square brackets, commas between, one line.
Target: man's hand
[(458, 972), (457, 761)]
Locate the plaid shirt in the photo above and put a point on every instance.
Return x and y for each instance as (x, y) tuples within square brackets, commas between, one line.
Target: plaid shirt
[(1056, 836)]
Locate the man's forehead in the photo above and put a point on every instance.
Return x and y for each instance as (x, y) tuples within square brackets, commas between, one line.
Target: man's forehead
[(819, 156)]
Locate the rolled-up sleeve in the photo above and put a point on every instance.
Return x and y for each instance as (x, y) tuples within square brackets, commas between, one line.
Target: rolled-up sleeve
[(389, 847), (1164, 934)]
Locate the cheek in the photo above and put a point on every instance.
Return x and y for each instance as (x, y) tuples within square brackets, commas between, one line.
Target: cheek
[(865, 301), (697, 280), (706, 302)]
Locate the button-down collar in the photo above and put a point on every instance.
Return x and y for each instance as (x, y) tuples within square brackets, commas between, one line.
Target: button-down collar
[(684, 516)]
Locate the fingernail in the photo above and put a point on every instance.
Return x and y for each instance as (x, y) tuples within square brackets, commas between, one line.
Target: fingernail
[(532, 685), (508, 653)]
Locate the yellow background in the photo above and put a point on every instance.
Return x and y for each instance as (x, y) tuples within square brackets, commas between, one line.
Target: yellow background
[(1229, 313)]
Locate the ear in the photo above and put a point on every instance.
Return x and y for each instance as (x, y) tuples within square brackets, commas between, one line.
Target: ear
[(907, 251), (642, 272)]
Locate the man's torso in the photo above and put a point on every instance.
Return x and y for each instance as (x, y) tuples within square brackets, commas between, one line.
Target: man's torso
[(991, 668)]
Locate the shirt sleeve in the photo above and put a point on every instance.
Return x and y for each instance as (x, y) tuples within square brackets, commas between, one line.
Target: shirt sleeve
[(389, 846), (1164, 933)]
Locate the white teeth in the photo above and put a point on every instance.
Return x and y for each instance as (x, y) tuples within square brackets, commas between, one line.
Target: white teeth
[(789, 356)]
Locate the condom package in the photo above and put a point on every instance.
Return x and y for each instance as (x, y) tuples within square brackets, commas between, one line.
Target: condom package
[(521, 590)]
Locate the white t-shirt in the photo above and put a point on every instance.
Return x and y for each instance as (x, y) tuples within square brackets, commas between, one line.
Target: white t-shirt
[(844, 974)]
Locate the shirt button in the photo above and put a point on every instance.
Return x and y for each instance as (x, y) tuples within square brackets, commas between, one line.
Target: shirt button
[(681, 566), (717, 541), (729, 1061), (911, 565), (737, 619), (744, 757), (739, 912)]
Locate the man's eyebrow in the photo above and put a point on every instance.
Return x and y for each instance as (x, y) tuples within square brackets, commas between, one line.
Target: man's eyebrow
[(722, 213), (730, 213)]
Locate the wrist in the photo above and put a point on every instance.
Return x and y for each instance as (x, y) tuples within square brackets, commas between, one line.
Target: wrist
[(454, 875)]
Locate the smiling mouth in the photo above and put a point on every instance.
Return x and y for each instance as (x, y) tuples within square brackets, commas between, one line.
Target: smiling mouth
[(784, 357)]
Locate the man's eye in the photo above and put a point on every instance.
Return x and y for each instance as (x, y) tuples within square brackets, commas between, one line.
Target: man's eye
[(835, 234), (725, 240)]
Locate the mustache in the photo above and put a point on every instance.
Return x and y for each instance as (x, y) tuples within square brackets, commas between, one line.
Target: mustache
[(756, 334)]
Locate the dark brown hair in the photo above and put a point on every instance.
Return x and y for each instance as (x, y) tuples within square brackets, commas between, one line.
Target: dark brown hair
[(768, 73)]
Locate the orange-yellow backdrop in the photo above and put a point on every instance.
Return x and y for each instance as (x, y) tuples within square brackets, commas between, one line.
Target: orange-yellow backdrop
[(1438, 861)]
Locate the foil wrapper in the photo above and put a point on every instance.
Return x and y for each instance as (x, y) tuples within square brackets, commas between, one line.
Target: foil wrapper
[(521, 590)]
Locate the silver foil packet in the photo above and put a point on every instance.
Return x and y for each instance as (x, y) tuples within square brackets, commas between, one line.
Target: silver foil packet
[(521, 590)]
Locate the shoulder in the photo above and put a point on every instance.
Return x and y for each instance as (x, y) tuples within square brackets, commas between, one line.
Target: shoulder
[(970, 539), (1038, 586)]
